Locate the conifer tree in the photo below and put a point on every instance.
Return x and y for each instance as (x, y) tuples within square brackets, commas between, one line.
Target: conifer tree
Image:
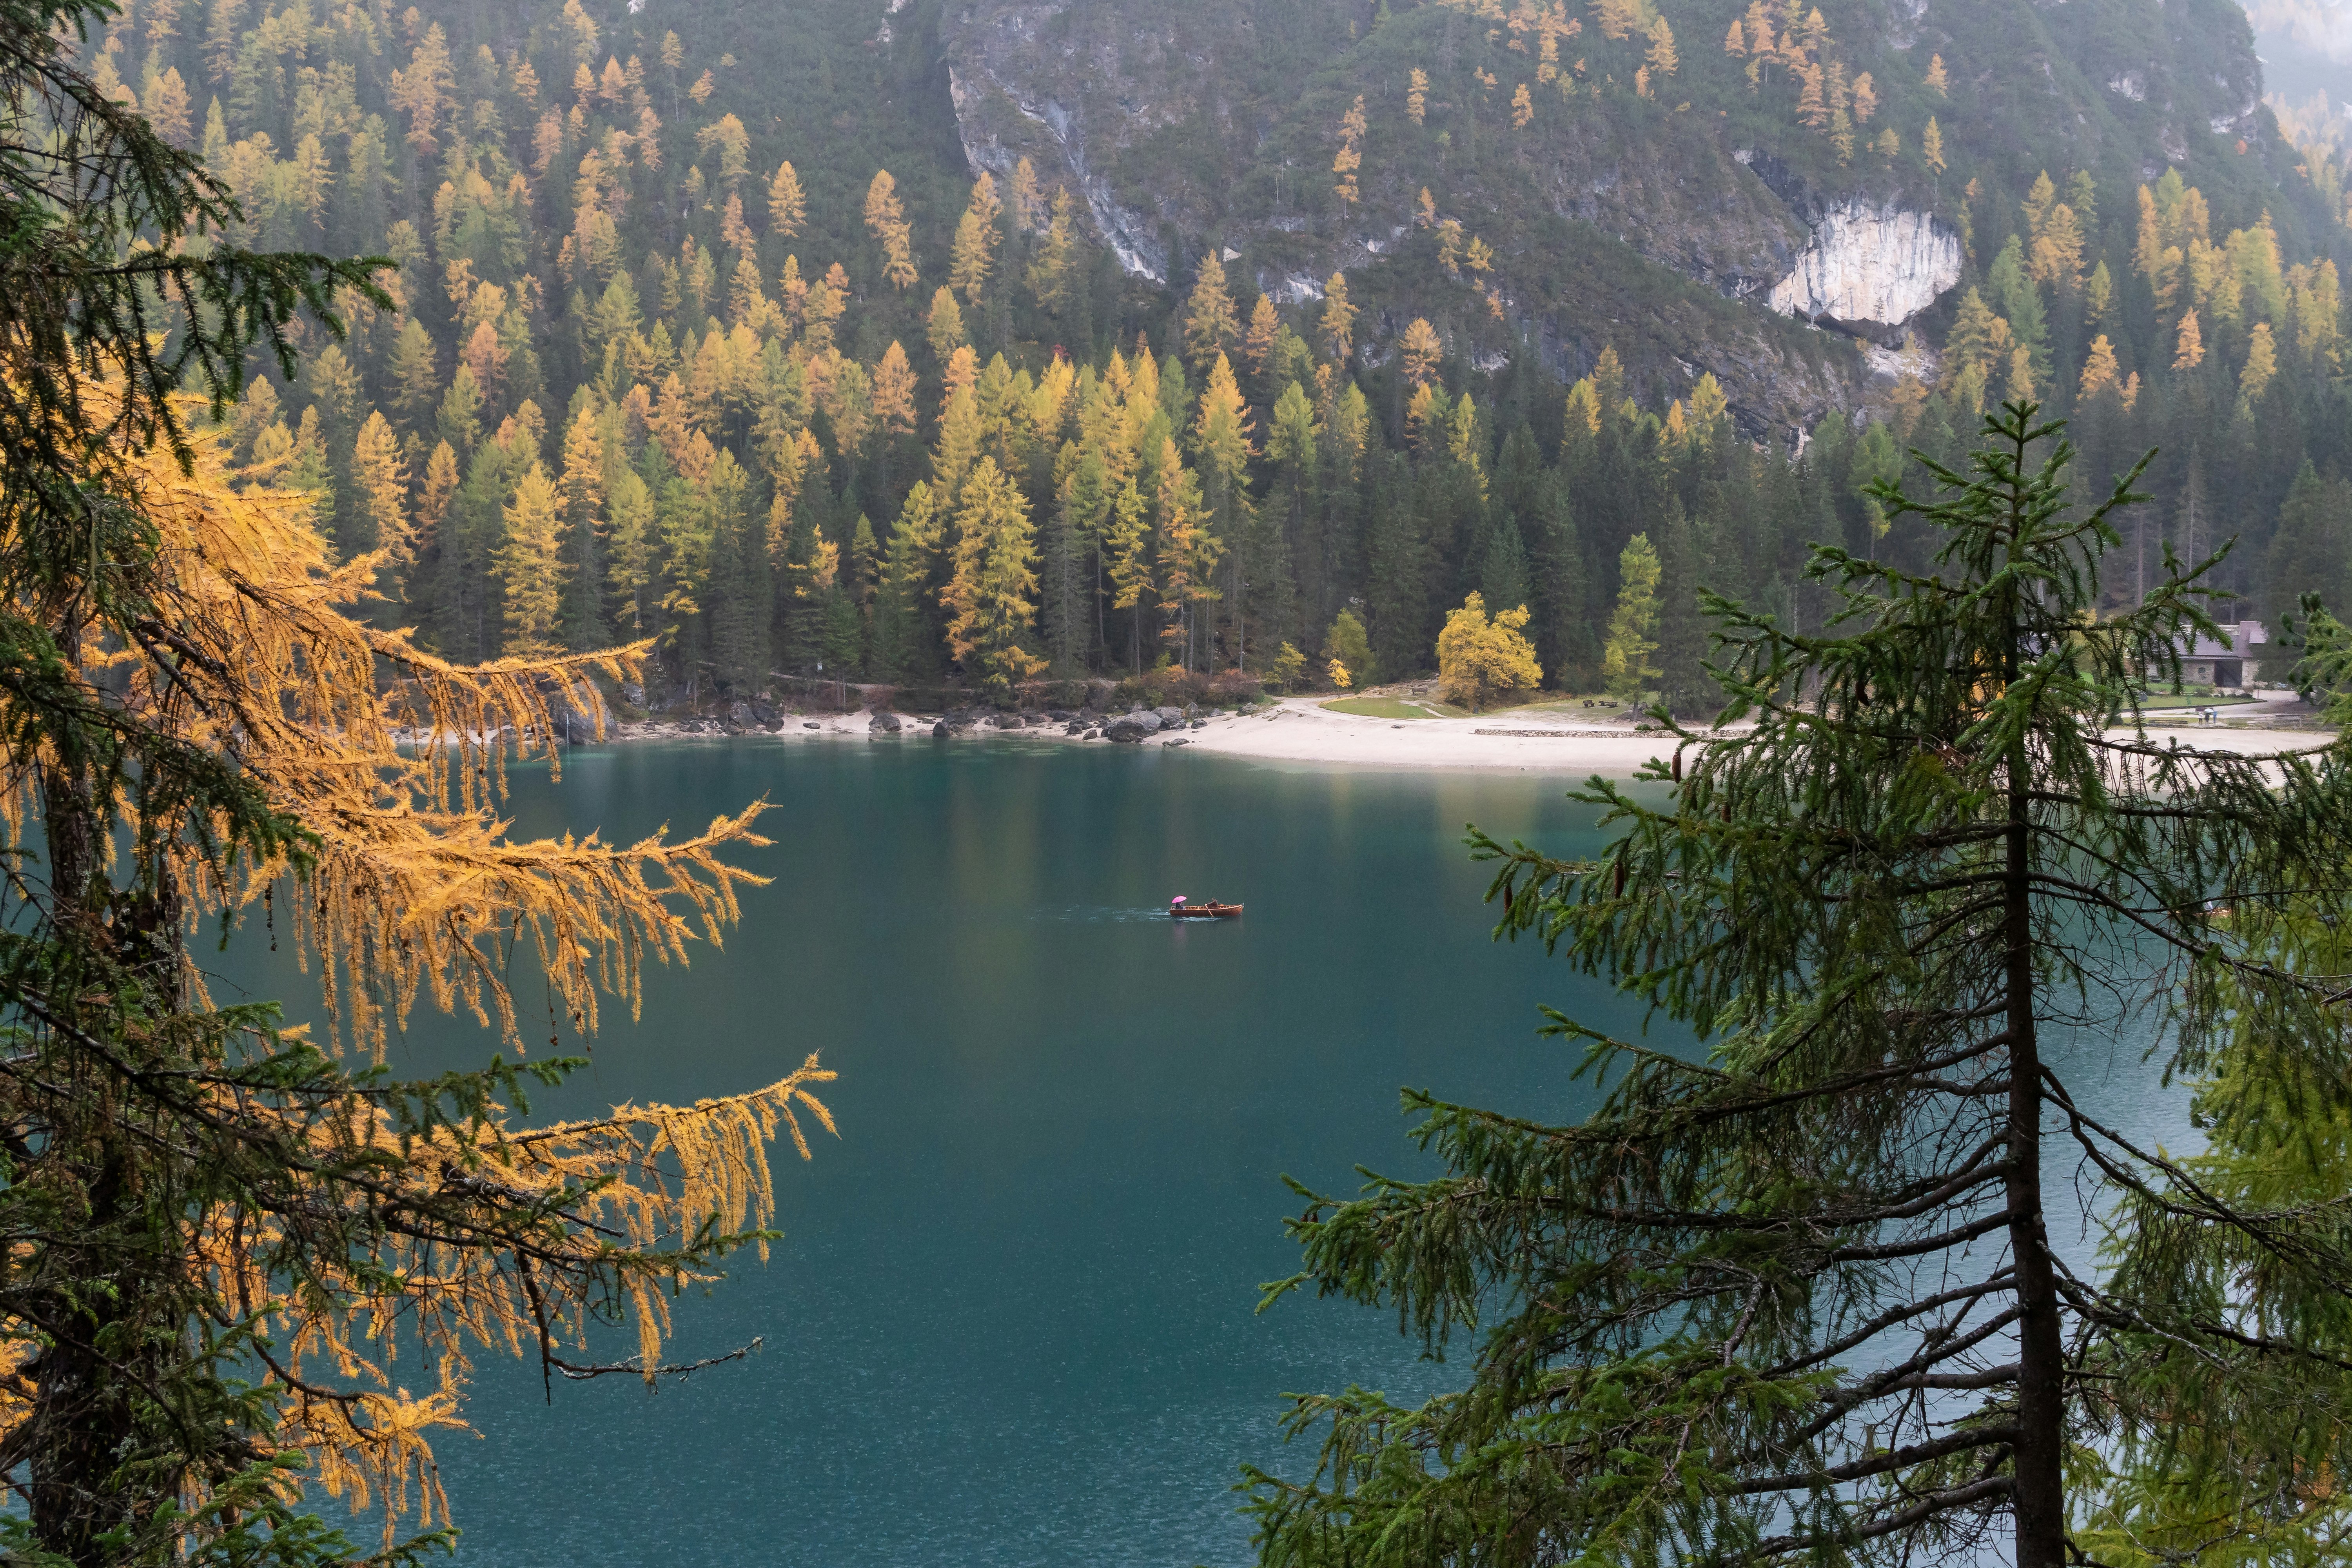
[(944, 327), (1053, 269), (1257, 344), (1884, 909), (581, 496), (1625, 658), (886, 219), (530, 565), (975, 241), (1126, 548), (990, 596), (415, 377), (1350, 157), (380, 485), (787, 206), (1211, 325), (1338, 320), (1422, 350)]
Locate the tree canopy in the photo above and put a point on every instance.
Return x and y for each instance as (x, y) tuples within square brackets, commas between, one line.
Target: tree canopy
[(1794, 1296)]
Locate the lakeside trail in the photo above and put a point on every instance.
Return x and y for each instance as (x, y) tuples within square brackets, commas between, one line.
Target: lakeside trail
[(1300, 732)]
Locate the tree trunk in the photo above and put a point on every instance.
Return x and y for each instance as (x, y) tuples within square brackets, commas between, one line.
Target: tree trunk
[(2040, 1499)]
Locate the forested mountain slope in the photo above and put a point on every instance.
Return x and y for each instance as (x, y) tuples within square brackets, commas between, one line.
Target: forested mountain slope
[(1255, 315)]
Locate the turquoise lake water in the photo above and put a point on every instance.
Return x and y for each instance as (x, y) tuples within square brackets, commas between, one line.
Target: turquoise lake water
[(1011, 1321)]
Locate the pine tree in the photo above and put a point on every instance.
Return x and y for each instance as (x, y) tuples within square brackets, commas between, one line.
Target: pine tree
[(1053, 269), (903, 634), (893, 391), (944, 327), (458, 420), (1211, 325), (740, 591), (2190, 351), (975, 241), (380, 486), (1350, 157), (1127, 549), (1877, 910), (787, 206), (1257, 345), (1338, 323), (415, 376), (886, 219), (1625, 660), (2261, 366), (990, 596), (530, 568), (581, 496), (1661, 57)]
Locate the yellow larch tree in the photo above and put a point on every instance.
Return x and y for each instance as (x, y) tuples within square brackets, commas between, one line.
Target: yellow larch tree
[(1211, 325), (1936, 82), (893, 391), (991, 596), (2190, 351), (973, 252), (1662, 58), (944, 329), (1339, 322), (787, 206), (2261, 364), (2100, 372), (1264, 326), (1421, 351), (1351, 156), (886, 219), (388, 867), (530, 565), (1523, 107), (1416, 95), (1479, 657)]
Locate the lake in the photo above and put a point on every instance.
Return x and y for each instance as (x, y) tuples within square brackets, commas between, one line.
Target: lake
[(1012, 1318)]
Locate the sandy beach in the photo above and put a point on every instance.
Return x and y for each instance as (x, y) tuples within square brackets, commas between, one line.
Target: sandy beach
[(1300, 731)]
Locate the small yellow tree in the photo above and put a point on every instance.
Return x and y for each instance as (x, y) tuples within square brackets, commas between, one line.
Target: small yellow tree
[(1478, 658), (787, 207), (886, 220), (1351, 156)]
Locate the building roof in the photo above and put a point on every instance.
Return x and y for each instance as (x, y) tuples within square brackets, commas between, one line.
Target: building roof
[(2244, 637)]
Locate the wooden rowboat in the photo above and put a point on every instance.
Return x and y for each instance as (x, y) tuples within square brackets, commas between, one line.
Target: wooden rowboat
[(1203, 911)]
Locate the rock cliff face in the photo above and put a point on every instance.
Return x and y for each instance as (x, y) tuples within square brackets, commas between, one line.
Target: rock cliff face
[(1616, 218), (1873, 265)]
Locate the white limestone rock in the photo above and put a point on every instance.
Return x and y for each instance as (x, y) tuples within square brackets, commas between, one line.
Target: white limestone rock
[(1867, 263)]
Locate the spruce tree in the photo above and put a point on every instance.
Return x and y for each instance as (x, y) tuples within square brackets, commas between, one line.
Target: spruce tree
[(1791, 1294)]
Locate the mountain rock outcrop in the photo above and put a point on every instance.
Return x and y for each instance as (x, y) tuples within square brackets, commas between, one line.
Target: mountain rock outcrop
[(1684, 207), (1870, 265)]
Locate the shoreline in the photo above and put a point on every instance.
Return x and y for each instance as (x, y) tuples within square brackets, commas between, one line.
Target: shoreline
[(1298, 732)]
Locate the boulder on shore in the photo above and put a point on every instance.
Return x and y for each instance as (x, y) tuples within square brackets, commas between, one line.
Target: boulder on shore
[(1169, 717), (1130, 728), (886, 722), (939, 731)]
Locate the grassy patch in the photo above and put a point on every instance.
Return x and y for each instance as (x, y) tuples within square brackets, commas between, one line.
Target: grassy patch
[(1378, 708)]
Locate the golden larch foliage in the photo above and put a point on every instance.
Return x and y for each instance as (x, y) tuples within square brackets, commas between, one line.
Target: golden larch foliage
[(390, 760)]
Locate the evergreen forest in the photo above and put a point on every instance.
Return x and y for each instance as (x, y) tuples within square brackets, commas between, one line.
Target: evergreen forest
[(657, 364)]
